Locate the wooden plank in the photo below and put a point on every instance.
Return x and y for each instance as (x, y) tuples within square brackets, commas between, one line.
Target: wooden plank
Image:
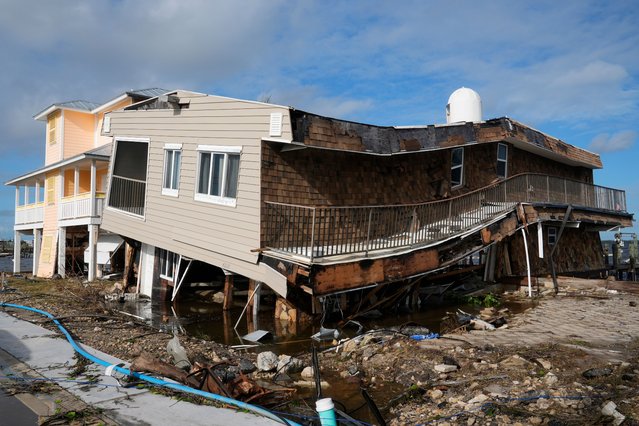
[(347, 276), (228, 292)]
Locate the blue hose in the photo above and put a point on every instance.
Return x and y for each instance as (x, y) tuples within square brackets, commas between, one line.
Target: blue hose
[(159, 382)]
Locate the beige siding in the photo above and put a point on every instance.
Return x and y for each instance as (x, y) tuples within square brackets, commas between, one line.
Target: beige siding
[(78, 132), (221, 235), (99, 139)]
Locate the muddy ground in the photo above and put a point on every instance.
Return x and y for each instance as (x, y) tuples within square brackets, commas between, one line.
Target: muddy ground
[(567, 361)]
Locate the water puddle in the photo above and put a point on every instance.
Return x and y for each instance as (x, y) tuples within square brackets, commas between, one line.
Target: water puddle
[(206, 320)]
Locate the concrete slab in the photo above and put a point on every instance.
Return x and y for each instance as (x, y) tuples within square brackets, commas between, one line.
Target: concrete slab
[(52, 357)]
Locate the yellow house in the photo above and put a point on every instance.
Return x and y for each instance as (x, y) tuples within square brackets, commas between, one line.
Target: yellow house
[(61, 203)]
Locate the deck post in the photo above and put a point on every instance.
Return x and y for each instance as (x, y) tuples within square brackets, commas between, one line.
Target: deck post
[(93, 252), (62, 251), (93, 189), (252, 291), (37, 243), (524, 236), (228, 291), (17, 245)]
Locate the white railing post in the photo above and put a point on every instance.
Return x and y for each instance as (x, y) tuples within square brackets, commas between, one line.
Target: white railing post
[(92, 212), (17, 215)]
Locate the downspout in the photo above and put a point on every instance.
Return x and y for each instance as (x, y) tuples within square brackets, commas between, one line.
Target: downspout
[(554, 247)]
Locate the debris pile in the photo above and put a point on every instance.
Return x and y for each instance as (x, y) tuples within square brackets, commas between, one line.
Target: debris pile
[(461, 322), (223, 378)]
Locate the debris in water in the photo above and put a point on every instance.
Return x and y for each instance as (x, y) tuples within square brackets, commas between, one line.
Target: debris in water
[(326, 334), (256, 336)]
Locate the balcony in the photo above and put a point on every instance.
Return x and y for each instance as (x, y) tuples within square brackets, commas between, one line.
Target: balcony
[(313, 233), (29, 214), (127, 194), (80, 206)]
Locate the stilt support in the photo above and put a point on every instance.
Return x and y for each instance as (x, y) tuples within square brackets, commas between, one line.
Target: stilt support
[(228, 291), (17, 252)]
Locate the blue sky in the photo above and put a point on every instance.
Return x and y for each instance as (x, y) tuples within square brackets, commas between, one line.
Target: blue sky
[(570, 69)]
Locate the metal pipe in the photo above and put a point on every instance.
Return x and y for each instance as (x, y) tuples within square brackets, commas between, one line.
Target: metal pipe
[(523, 234)]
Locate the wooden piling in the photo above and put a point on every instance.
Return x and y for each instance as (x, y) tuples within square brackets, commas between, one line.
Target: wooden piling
[(228, 292)]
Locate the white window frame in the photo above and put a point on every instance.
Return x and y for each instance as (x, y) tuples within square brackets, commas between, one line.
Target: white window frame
[(216, 149), (502, 160), (109, 176), (552, 235), (454, 167), (167, 261), (171, 148)]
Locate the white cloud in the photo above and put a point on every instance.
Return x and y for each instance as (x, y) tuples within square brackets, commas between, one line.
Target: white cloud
[(374, 61), (620, 141)]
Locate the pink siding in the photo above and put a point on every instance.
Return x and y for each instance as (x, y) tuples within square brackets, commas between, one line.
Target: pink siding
[(78, 133)]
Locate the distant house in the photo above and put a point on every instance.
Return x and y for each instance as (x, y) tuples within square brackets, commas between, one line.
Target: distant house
[(60, 204), (312, 206)]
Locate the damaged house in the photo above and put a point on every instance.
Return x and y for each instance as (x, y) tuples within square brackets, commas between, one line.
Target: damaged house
[(313, 206), (60, 204)]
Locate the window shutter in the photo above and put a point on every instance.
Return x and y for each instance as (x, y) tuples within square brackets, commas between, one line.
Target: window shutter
[(52, 123), (51, 190)]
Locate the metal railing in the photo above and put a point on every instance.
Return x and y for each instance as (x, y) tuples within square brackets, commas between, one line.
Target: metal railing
[(127, 194), (315, 232)]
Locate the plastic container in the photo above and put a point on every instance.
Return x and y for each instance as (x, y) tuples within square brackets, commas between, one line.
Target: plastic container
[(326, 410)]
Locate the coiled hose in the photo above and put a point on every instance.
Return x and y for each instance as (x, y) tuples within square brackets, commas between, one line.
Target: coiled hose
[(153, 380)]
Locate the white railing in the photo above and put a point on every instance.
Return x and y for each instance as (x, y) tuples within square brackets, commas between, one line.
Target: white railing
[(32, 213), (80, 206)]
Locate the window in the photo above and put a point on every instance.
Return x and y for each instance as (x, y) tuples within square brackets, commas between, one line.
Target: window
[(167, 264), (218, 171), (502, 160), (127, 191), (552, 236), (457, 167), (172, 155)]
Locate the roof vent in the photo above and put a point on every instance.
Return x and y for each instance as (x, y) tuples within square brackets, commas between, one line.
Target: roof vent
[(463, 105)]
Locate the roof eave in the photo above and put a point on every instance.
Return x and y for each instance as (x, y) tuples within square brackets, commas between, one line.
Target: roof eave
[(44, 114), (68, 161), (546, 153), (110, 103)]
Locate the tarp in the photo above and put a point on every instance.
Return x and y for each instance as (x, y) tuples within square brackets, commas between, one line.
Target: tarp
[(107, 244)]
